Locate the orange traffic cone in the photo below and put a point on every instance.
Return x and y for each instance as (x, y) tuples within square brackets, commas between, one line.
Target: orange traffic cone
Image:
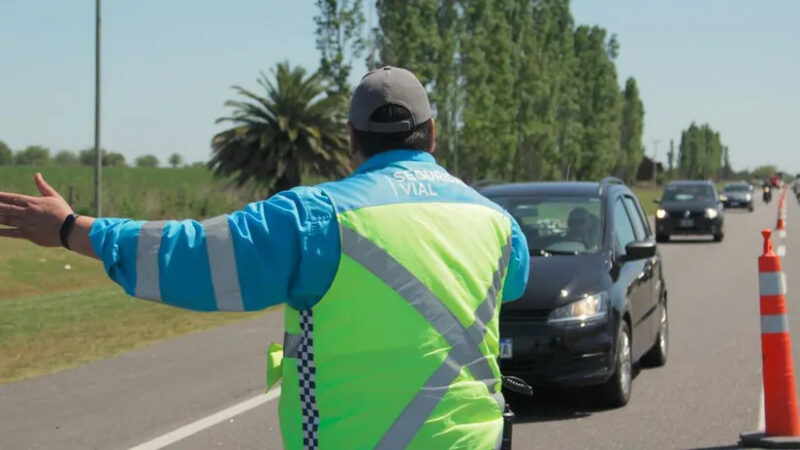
[(780, 396), (781, 226)]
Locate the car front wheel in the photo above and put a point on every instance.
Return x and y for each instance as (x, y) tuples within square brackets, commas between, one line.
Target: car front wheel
[(719, 237), (617, 390)]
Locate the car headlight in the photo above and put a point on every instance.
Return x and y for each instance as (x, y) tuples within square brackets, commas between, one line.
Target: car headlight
[(589, 309), (711, 213), (748, 197), (660, 214)]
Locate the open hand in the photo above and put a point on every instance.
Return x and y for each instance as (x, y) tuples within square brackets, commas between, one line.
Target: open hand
[(37, 219)]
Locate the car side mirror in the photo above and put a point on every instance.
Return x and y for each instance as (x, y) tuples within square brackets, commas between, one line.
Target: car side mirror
[(640, 250)]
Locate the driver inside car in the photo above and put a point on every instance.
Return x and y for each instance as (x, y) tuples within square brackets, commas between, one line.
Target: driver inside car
[(581, 227)]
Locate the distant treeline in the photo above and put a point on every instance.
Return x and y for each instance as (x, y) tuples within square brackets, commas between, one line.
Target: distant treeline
[(36, 155)]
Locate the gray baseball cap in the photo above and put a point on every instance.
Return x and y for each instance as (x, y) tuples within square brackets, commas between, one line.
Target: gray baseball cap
[(389, 85)]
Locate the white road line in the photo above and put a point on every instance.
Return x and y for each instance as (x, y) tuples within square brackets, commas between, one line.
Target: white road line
[(207, 422), (781, 250), (761, 420)]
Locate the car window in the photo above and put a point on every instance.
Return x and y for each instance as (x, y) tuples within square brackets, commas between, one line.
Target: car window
[(689, 193), (623, 229), (639, 225), (565, 224)]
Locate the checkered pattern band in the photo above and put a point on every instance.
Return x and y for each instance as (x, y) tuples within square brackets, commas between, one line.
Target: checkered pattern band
[(307, 376)]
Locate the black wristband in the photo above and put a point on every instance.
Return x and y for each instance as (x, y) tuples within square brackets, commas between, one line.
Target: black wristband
[(66, 229)]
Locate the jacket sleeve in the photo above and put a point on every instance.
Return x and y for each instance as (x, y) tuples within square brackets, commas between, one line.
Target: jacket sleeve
[(518, 265), (282, 250)]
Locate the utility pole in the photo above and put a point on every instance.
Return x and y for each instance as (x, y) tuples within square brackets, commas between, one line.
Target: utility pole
[(655, 164), (98, 162), (671, 158)]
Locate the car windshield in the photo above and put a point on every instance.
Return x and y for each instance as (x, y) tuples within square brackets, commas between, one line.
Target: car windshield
[(688, 193), (558, 225), (737, 188)]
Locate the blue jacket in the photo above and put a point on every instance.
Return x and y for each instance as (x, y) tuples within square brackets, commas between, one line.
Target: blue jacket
[(282, 250)]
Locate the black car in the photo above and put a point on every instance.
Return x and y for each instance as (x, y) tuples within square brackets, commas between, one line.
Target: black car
[(738, 195), (596, 302), (690, 208)]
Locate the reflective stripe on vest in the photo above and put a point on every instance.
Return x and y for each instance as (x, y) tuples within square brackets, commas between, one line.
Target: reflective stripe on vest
[(464, 342), (147, 246), (221, 262)]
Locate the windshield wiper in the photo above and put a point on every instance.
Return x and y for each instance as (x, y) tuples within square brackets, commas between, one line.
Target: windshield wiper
[(562, 252), (541, 252)]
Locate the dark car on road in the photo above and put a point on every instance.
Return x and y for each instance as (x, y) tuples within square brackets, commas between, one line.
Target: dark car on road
[(596, 302), (738, 195), (690, 208)]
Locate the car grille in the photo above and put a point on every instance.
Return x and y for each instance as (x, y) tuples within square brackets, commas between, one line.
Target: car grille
[(680, 214), (524, 315)]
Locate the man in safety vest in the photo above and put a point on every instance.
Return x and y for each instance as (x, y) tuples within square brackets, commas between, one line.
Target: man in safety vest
[(393, 278)]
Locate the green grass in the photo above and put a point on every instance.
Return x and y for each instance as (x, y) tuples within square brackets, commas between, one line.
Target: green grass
[(52, 318), (28, 270), (46, 333), (58, 309), (646, 195)]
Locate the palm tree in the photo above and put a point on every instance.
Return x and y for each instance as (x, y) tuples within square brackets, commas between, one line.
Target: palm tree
[(296, 129)]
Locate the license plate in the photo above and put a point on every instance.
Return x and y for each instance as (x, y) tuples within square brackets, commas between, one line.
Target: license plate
[(506, 348), (687, 223)]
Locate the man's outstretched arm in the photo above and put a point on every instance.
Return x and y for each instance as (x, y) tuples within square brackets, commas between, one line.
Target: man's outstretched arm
[(284, 249)]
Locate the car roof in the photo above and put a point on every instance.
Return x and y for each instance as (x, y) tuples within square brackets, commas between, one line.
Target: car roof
[(590, 189)]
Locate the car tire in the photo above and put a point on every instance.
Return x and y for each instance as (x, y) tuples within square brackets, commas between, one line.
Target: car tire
[(719, 237), (751, 207), (657, 355), (662, 238), (616, 392)]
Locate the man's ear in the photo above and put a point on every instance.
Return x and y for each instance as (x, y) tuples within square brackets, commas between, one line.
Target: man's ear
[(433, 136)]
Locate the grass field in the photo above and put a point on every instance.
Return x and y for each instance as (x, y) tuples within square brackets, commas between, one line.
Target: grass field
[(58, 309), (140, 193), (52, 318), (646, 195)]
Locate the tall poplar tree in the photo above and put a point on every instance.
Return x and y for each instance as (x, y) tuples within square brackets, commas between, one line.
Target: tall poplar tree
[(340, 39)]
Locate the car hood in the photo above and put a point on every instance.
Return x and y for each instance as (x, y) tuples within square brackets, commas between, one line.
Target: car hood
[(573, 274), (688, 206)]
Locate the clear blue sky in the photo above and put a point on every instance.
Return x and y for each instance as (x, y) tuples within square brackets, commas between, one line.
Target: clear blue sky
[(168, 66)]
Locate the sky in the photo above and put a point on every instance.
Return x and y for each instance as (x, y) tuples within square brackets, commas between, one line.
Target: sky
[(168, 65)]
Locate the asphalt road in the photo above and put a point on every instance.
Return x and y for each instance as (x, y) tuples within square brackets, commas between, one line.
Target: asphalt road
[(707, 394)]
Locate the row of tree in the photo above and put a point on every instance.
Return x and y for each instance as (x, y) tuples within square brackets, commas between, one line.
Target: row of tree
[(701, 154), (519, 93), (36, 155)]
